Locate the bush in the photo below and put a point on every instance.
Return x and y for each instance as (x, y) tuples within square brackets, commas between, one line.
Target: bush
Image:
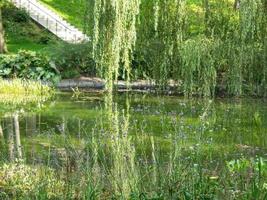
[(44, 39), (28, 65), (21, 16), (73, 59), (17, 15)]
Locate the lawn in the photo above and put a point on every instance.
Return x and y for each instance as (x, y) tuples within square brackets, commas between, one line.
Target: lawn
[(73, 11), (14, 44), (22, 33)]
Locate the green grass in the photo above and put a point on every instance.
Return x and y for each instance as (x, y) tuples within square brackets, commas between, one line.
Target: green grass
[(73, 11), (17, 91), (17, 41), (14, 45), (22, 33)]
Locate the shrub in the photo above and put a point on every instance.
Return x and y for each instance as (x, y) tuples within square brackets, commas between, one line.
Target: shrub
[(21, 16), (16, 15), (28, 65), (70, 73), (74, 58), (44, 39)]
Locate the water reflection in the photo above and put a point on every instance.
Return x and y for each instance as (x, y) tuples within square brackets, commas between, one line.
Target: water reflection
[(10, 136), (130, 144), (122, 148)]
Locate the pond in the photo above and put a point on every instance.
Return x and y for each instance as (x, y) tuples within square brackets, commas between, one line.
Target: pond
[(139, 146)]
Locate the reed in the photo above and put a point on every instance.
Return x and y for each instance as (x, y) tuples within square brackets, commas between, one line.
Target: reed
[(17, 91)]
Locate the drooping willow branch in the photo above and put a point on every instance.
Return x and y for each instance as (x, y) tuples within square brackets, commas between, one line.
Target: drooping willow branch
[(114, 36), (202, 46)]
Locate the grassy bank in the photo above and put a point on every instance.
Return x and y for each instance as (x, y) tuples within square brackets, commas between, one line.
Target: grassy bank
[(22, 33), (73, 11)]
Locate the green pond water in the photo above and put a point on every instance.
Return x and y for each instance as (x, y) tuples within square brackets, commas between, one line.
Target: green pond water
[(133, 131)]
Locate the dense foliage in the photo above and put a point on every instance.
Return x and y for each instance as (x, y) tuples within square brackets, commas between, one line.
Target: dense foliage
[(207, 45), (28, 65), (73, 60), (114, 35), (23, 33)]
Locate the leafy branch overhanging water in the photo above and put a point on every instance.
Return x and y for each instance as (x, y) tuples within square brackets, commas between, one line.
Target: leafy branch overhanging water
[(205, 47)]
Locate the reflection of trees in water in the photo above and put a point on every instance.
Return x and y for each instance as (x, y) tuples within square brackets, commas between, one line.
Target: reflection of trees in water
[(17, 134), (30, 125), (123, 175), (10, 138), (2, 142), (10, 127)]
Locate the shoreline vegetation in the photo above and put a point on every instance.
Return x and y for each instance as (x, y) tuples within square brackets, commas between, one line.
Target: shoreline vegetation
[(214, 47), (172, 88), (134, 146), (17, 91)]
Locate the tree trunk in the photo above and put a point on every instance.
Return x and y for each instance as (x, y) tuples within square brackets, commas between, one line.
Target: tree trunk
[(3, 48)]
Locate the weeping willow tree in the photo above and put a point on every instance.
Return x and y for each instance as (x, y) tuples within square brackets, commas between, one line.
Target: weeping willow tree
[(160, 33), (170, 53), (114, 36), (247, 69), (205, 46)]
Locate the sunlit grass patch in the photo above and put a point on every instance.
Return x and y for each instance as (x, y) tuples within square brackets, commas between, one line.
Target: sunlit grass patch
[(17, 91), (18, 179)]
